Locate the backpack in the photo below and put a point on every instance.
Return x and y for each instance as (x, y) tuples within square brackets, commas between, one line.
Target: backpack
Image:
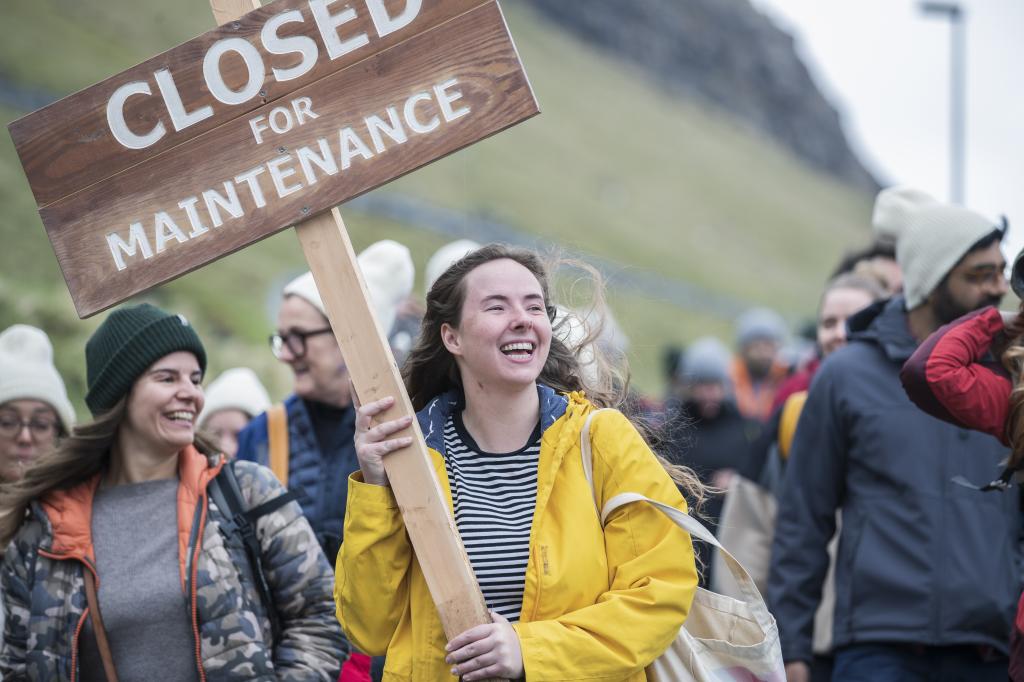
[(227, 495)]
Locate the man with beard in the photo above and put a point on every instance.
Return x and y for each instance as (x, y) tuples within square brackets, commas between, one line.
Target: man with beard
[(921, 585)]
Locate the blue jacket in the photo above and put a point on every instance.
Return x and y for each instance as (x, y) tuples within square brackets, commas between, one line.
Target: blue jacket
[(921, 559), (320, 478)]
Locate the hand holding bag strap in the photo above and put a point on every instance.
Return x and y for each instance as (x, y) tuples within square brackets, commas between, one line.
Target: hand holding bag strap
[(684, 521), (97, 625)]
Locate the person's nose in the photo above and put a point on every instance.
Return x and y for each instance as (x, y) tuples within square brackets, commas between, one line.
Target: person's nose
[(1001, 286), (24, 435), (521, 320), (190, 392)]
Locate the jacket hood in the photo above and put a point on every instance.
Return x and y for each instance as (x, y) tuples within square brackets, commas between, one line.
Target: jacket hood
[(884, 324), (432, 417)]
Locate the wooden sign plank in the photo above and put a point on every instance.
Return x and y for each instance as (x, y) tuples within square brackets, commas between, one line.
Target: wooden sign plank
[(435, 539), (348, 133), (70, 144)]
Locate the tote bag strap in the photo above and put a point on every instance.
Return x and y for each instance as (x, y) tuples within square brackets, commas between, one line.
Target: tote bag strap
[(691, 525)]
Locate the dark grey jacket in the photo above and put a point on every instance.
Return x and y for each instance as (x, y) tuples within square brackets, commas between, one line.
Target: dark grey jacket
[(921, 559)]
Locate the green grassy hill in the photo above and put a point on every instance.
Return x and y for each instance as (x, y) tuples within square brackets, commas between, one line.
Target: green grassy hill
[(612, 167)]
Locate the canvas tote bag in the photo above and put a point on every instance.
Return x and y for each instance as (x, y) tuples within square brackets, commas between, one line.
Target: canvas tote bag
[(723, 639)]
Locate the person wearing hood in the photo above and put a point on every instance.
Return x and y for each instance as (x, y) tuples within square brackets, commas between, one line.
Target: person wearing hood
[(35, 412), (920, 587)]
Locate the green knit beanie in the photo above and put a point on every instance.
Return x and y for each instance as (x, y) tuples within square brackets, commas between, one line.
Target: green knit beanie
[(126, 344)]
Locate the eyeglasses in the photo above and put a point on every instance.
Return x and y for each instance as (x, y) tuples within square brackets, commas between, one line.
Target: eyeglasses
[(39, 427), (295, 341)]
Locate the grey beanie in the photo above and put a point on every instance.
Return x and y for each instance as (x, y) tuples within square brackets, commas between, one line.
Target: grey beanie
[(706, 361), (759, 323), (935, 239)]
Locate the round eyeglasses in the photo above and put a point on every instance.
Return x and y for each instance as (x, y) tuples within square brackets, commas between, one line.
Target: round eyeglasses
[(295, 341), (40, 427)]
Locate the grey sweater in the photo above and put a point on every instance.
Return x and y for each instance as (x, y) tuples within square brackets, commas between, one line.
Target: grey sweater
[(135, 535)]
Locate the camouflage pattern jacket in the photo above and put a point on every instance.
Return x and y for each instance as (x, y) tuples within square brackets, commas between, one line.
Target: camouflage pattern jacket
[(44, 587)]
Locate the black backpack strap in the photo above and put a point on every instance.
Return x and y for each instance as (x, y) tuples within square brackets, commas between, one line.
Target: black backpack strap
[(227, 495)]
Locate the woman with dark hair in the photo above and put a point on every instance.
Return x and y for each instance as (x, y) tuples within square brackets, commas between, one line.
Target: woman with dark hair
[(500, 402), (119, 521)]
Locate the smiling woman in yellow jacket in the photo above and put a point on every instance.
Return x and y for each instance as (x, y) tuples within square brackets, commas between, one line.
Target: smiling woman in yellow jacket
[(570, 600)]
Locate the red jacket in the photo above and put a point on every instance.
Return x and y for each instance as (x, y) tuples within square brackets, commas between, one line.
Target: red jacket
[(950, 378)]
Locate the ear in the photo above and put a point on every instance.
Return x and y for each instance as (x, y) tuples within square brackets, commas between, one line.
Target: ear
[(451, 339)]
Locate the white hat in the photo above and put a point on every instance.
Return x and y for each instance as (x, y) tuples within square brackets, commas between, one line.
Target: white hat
[(444, 258), (235, 389), (388, 271), (893, 207), (935, 239), (27, 372)]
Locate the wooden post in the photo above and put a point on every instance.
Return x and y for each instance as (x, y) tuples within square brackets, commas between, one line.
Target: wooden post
[(371, 365)]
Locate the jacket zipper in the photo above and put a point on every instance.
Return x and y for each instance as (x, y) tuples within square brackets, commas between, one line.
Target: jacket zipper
[(81, 619), (195, 610)]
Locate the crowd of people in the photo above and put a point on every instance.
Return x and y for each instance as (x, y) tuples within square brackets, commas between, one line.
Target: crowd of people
[(863, 474)]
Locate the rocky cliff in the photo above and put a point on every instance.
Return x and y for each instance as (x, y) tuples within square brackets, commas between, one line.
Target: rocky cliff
[(729, 54)]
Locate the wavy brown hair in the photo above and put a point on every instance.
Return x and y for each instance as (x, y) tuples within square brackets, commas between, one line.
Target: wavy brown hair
[(78, 458), (430, 369)]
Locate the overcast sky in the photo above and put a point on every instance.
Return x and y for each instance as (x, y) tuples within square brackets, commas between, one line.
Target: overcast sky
[(885, 66)]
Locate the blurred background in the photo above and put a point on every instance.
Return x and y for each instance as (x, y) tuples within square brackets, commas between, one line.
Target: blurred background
[(706, 155)]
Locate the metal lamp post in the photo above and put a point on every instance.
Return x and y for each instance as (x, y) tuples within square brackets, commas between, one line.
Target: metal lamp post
[(957, 90)]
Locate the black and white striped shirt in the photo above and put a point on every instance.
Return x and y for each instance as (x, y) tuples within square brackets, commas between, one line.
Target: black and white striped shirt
[(494, 496)]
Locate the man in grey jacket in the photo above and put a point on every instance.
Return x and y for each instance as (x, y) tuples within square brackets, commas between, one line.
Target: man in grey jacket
[(928, 571)]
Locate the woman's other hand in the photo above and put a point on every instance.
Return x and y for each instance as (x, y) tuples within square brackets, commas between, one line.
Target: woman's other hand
[(486, 651), (373, 442)]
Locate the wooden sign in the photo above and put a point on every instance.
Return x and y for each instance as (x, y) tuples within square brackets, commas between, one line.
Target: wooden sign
[(279, 114), (252, 127)]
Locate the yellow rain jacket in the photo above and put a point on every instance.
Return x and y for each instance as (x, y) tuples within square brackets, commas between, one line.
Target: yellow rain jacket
[(596, 606)]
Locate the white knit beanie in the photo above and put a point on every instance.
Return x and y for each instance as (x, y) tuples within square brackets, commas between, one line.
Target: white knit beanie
[(27, 372), (390, 274), (235, 389), (388, 271), (935, 239), (444, 258), (893, 208)]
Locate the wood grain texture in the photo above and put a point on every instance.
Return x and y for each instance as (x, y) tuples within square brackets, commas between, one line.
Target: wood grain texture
[(435, 539), (474, 48), (67, 146)]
